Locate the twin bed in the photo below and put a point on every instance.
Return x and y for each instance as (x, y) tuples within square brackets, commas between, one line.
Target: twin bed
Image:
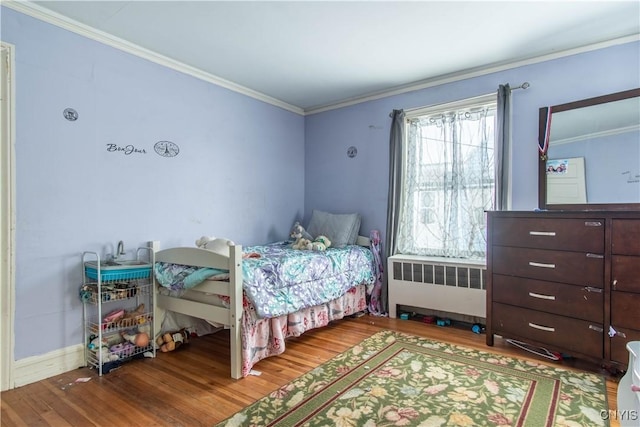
[(264, 294)]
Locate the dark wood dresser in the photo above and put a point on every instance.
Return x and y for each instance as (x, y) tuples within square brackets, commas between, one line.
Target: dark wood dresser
[(565, 281)]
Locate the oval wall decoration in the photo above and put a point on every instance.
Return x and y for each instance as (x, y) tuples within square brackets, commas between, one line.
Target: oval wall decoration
[(166, 148), (70, 114)]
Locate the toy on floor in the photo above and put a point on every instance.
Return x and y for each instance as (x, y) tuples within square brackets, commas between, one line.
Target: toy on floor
[(443, 322), (172, 340)]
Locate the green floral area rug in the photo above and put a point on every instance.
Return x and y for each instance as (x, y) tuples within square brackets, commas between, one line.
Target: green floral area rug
[(394, 379)]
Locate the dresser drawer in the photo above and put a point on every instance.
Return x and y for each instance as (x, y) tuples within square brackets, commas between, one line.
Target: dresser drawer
[(562, 332), (584, 235), (625, 237), (568, 300), (579, 268), (625, 309), (619, 342), (625, 273)]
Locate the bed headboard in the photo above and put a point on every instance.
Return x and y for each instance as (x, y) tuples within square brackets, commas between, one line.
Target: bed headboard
[(363, 241)]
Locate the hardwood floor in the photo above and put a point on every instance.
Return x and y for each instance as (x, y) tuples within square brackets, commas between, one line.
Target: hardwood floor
[(192, 387)]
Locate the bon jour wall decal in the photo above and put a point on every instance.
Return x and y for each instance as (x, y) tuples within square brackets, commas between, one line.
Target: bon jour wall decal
[(70, 114), (125, 149), (166, 148)]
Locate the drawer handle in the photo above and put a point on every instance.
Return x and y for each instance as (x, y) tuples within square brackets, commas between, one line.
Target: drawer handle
[(539, 264), (596, 328), (542, 328), (540, 296), (593, 224), (590, 255), (592, 289), (542, 233)]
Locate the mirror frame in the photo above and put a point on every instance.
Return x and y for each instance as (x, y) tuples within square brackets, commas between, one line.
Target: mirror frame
[(542, 163)]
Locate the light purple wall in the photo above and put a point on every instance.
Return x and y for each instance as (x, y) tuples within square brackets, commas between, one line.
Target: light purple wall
[(246, 169), (239, 174), (340, 184)]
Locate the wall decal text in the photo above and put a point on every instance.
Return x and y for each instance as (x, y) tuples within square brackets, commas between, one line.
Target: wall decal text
[(127, 149)]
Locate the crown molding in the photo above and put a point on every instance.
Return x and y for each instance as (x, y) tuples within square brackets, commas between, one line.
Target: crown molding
[(61, 21), (467, 74), (54, 18)]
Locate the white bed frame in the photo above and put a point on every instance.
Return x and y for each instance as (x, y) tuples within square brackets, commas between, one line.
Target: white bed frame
[(232, 316)]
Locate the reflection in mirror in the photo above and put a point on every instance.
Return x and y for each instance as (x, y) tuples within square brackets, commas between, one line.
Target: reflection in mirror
[(591, 153)]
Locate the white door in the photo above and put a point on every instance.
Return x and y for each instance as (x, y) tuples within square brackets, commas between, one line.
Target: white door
[(566, 183)]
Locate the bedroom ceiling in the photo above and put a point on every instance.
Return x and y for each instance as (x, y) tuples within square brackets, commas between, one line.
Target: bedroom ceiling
[(311, 55)]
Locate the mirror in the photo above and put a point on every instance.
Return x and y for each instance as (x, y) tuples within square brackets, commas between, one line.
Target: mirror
[(590, 154)]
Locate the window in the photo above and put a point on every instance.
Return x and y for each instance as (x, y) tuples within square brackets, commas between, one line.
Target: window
[(449, 180)]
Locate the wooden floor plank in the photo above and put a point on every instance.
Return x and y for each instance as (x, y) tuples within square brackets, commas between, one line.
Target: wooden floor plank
[(192, 385)]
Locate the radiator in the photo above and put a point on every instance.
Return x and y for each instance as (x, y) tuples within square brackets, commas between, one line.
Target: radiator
[(446, 285)]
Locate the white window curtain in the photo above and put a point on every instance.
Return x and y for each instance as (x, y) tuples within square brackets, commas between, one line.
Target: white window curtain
[(448, 181)]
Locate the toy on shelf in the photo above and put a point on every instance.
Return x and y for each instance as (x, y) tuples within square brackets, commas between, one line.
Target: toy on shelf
[(101, 349), (124, 319), (140, 339)]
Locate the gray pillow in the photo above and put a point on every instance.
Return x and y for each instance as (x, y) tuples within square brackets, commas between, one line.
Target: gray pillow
[(341, 229)]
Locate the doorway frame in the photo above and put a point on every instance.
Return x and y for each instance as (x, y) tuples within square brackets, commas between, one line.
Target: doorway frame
[(8, 217)]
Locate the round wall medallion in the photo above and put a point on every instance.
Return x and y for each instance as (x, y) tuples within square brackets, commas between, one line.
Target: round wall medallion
[(70, 114), (352, 152), (166, 148)]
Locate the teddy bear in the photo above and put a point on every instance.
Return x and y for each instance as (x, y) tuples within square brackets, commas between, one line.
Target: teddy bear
[(302, 244), (320, 243), (172, 340), (218, 245)]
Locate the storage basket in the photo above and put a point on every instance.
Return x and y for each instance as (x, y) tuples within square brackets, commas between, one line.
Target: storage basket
[(124, 272)]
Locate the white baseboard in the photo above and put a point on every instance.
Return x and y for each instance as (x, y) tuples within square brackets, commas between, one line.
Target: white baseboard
[(32, 369)]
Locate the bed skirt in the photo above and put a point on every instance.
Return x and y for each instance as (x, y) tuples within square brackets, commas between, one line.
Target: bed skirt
[(262, 338)]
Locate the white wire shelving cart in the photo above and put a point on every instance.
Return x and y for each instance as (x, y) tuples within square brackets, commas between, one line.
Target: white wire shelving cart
[(118, 300)]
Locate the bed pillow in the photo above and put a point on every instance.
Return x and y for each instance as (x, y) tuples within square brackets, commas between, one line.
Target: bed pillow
[(341, 229)]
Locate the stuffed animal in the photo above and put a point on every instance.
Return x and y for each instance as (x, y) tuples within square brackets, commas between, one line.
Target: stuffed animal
[(320, 243), (218, 245), (302, 244), (298, 231), (172, 340)]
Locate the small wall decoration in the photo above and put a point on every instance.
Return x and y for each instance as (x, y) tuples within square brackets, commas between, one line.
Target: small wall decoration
[(166, 148), (70, 114), (352, 152), (632, 178), (127, 149)]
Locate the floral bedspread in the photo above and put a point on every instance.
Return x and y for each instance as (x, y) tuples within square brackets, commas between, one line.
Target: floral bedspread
[(283, 280)]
